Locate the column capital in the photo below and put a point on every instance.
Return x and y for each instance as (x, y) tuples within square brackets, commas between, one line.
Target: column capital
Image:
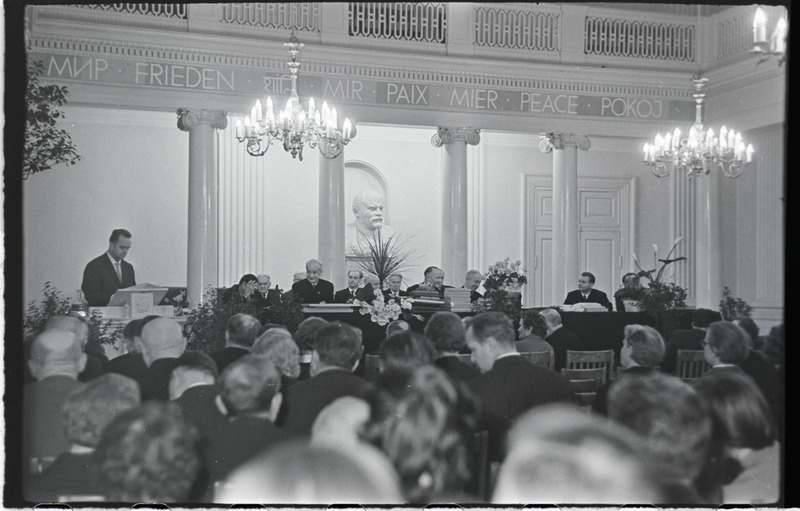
[(550, 141), (188, 119), (446, 136)]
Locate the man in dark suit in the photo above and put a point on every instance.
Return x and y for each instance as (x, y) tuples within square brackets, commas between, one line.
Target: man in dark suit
[(240, 334), (161, 344), (446, 331), (264, 296), (394, 292), (682, 339), (585, 293), (560, 338), (433, 280), (192, 386), (472, 281), (313, 289), (348, 294), (509, 384), (107, 273), (336, 352)]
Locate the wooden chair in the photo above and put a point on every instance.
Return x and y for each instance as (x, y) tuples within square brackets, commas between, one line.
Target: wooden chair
[(540, 358), (603, 359), (585, 374), (690, 364), (585, 390), (482, 473), (372, 361)]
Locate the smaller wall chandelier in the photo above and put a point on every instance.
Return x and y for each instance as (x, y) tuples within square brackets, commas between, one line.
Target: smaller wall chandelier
[(701, 150), (764, 48), (294, 126)]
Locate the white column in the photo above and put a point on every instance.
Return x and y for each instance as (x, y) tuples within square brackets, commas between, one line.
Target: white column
[(454, 198), (683, 206), (566, 249), (201, 268), (331, 248), (708, 243)]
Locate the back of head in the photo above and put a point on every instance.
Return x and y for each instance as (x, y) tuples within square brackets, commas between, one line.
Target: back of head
[(647, 345), (774, 349), (446, 331), (750, 327), (298, 473), (702, 318), (162, 338), (668, 414), (56, 352), (278, 346), (248, 385), (191, 368), (534, 321), (493, 324), (148, 454), (75, 324), (307, 331), (551, 317), (560, 455), (269, 326), (341, 422), (90, 408), (397, 326), (406, 349), (338, 345), (741, 415), (728, 341), (242, 330)]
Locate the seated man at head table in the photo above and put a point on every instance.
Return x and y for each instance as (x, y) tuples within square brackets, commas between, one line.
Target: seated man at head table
[(263, 294), (107, 273), (585, 293), (434, 280), (472, 281), (393, 291), (313, 289), (348, 294), (630, 284)]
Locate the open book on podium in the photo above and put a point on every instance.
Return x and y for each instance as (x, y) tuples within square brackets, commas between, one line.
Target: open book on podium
[(142, 300)]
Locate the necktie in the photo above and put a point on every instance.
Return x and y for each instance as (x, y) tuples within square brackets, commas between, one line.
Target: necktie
[(119, 271)]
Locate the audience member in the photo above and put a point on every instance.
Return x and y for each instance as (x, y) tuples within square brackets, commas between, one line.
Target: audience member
[(86, 411), (96, 358), (131, 363), (193, 388), (586, 293), (773, 349), (268, 326), (750, 327), (397, 326), (240, 333), (746, 431), (336, 352), (674, 425), (405, 349), (313, 289), (561, 339), (149, 454), (304, 338), (348, 294), (425, 424), (641, 352), (278, 347), (162, 342), (560, 455), (531, 332), (393, 291), (509, 384), (56, 360), (472, 281), (299, 473), (446, 331), (687, 339), (193, 369), (341, 423)]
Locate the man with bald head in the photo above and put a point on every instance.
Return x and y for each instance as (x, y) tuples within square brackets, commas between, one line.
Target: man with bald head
[(161, 343), (56, 359), (96, 358), (560, 338)]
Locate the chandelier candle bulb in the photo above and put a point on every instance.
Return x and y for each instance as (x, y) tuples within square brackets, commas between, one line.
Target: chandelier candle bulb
[(311, 108), (749, 153), (334, 120), (239, 129), (760, 26), (780, 37), (346, 128)]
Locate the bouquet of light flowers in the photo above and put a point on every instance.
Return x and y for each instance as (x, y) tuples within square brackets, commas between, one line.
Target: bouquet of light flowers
[(503, 273), (381, 312)]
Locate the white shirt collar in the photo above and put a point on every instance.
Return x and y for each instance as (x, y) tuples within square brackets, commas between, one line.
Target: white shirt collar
[(113, 261), (509, 354)]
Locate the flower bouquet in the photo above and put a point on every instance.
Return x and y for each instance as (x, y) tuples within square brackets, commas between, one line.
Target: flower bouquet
[(659, 295), (505, 275), (381, 312)]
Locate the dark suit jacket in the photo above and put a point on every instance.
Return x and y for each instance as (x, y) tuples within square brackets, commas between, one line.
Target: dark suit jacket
[(305, 399), (595, 296), (199, 407), (680, 340), (69, 474), (344, 296), (456, 369), (387, 295), (100, 280), (512, 386), (304, 292), (130, 364), (562, 340), (273, 298), (768, 380), (225, 356), (154, 383)]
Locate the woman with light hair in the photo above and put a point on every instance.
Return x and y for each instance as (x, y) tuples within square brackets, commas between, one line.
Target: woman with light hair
[(641, 352), (277, 345)]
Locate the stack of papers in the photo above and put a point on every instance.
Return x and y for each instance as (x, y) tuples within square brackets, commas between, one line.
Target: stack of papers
[(459, 299)]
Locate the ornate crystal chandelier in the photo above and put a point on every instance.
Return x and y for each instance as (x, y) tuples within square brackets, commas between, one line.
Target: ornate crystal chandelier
[(701, 150), (294, 126), (764, 48)]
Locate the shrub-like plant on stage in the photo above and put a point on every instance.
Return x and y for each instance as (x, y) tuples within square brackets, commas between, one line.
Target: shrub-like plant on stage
[(731, 307), (382, 256), (45, 144), (660, 295), (54, 303)]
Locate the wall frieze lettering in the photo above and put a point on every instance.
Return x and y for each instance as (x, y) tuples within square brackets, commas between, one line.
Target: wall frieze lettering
[(188, 119), (446, 136)]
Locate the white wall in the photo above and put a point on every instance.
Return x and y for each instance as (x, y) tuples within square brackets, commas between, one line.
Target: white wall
[(132, 175)]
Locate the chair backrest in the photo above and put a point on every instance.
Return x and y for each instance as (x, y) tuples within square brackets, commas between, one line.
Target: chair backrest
[(584, 383), (541, 358), (482, 473), (585, 374), (372, 361), (691, 364), (602, 359)]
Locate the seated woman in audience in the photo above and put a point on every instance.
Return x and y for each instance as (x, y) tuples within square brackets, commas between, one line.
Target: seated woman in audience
[(298, 473), (85, 413), (425, 424), (641, 352), (278, 346), (559, 455), (745, 430), (446, 331)]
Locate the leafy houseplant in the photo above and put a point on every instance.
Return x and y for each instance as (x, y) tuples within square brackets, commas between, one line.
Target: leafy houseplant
[(731, 307), (382, 257), (45, 144), (659, 295)]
